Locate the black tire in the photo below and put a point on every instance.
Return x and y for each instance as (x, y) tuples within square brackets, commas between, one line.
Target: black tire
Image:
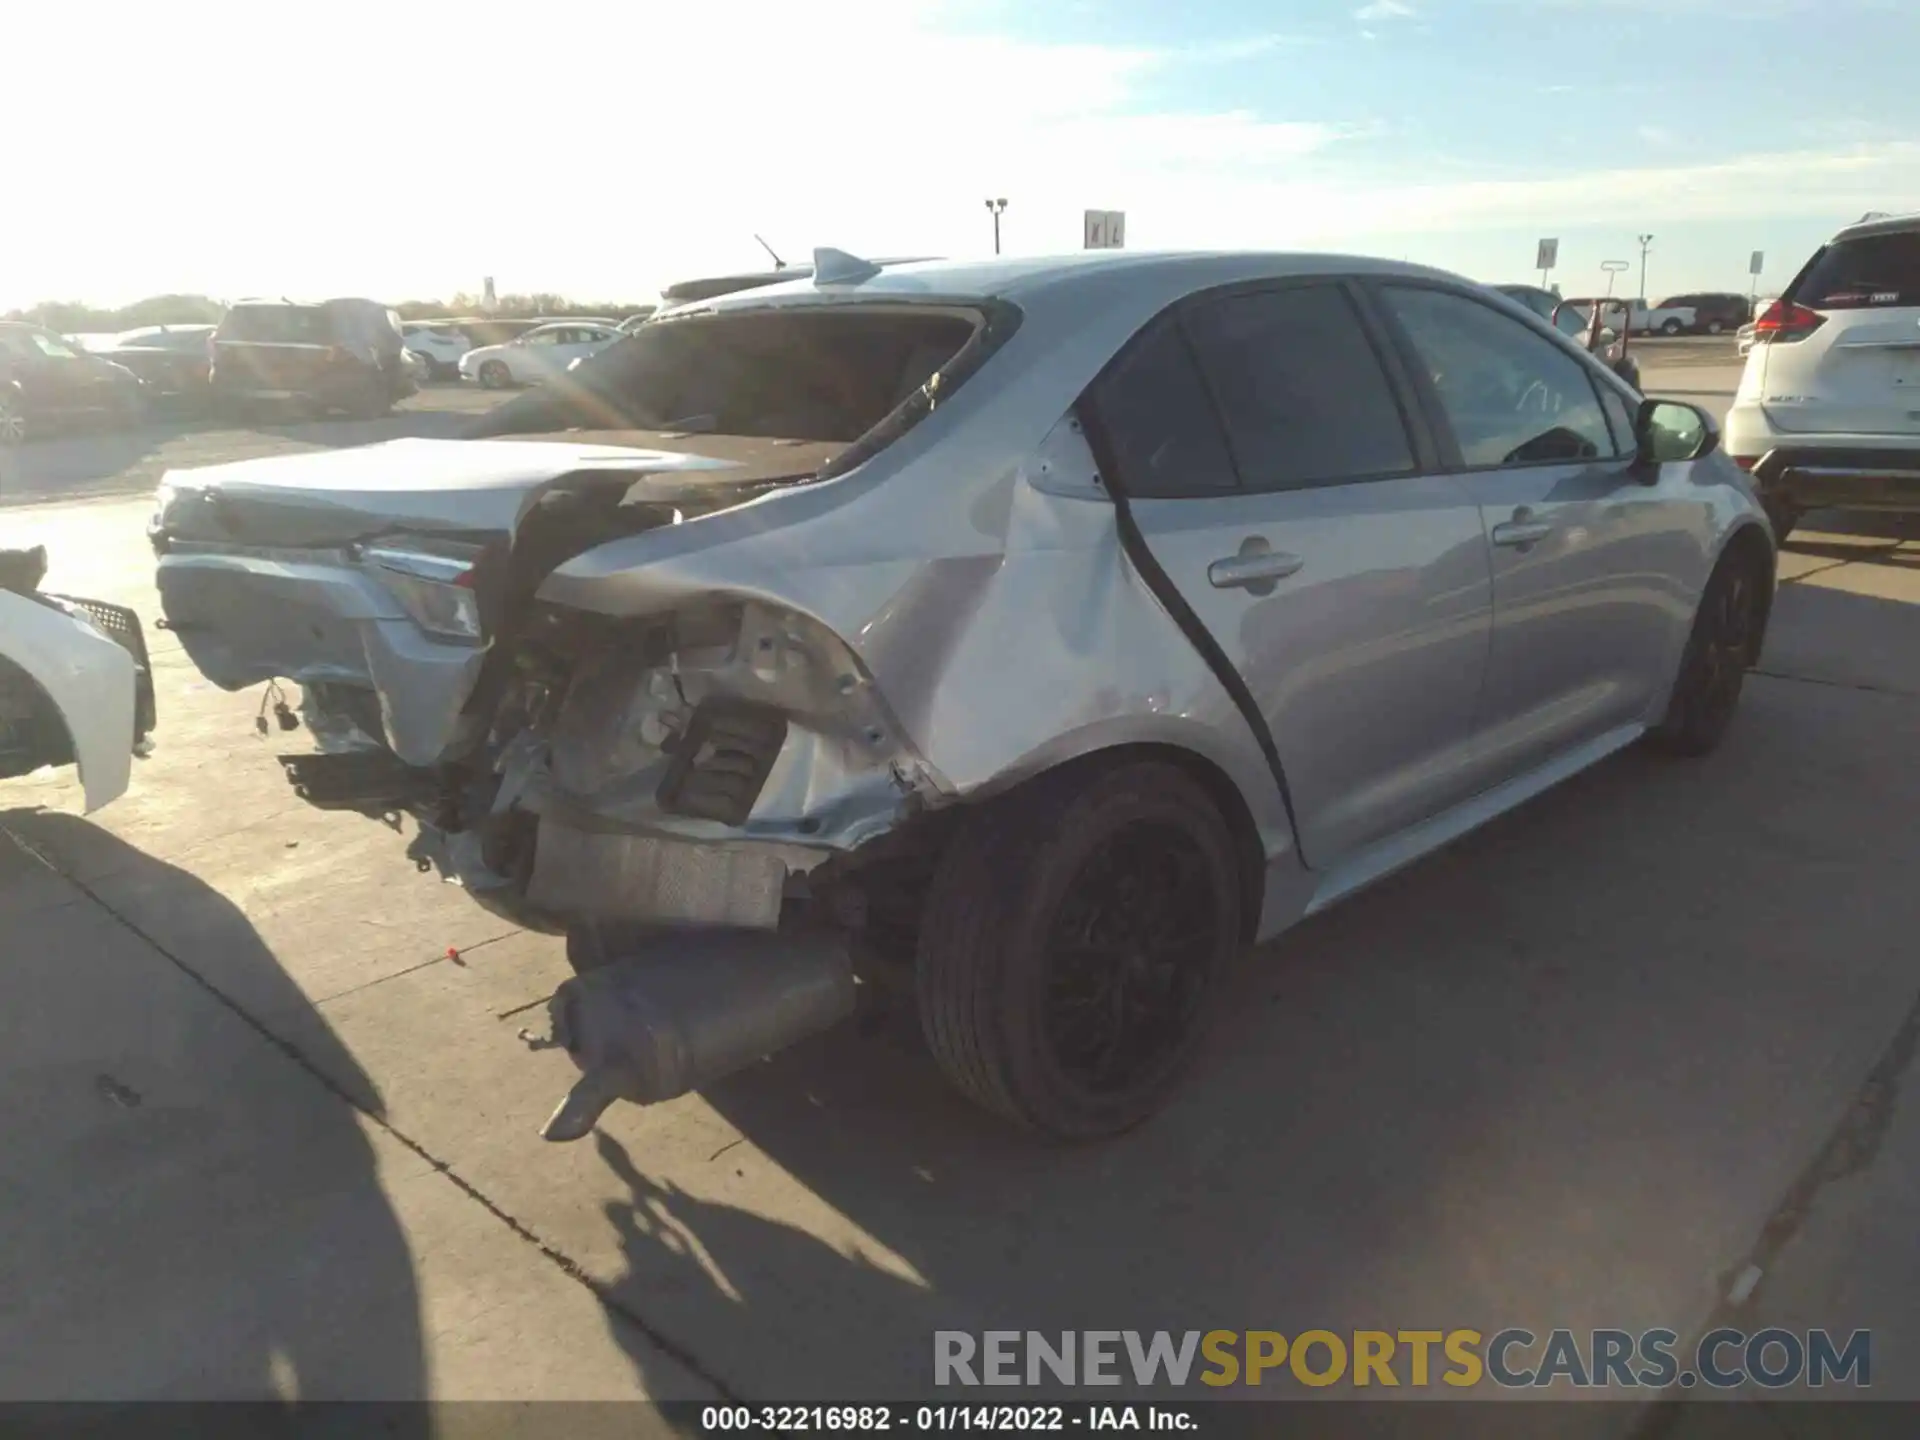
[(1782, 514), (1714, 327), (494, 375), (1137, 861), (15, 428), (1670, 327), (1722, 645)]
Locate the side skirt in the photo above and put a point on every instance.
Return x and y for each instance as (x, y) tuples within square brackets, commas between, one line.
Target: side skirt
[(1381, 859)]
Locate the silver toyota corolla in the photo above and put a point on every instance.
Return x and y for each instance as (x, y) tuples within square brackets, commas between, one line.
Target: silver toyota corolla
[(1032, 634)]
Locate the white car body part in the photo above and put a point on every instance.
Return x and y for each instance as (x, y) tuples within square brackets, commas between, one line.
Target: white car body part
[(543, 353), (89, 680)]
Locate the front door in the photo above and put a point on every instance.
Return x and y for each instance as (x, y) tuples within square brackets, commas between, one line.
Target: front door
[(1277, 481), (1593, 556)]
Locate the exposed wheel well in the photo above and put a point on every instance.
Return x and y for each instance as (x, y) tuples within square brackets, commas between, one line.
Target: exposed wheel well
[(32, 730), (892, 873), (1749, 546)]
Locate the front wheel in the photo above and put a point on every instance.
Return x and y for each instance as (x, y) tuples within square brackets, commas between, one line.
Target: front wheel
[(1074, 945), (1723, 643), (494, 375)]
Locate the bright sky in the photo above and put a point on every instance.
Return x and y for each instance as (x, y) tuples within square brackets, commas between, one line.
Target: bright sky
[(407, 148)]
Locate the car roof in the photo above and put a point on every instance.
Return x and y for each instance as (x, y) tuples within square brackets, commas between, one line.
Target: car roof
[(1885, 225), (1159, 277)]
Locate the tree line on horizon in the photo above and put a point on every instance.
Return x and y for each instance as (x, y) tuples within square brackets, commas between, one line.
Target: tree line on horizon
[(72, 318)]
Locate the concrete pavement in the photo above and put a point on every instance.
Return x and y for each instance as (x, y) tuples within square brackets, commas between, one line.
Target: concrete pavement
[(1560, 1075)]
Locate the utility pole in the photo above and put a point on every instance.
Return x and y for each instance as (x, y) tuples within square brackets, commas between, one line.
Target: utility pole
[(1646, 244), (996, 208)]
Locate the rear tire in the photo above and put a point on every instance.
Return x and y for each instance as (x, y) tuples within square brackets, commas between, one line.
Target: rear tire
[(1722, 645), (1782, 515), (1074, 945), (1714, 327), (1670, 327)]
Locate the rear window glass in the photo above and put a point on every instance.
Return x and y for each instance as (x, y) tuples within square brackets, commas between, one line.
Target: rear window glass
[(816, 374), (285, 324), (1858, 274)]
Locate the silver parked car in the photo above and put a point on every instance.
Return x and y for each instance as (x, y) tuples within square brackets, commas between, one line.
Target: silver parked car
[(1035, 634)]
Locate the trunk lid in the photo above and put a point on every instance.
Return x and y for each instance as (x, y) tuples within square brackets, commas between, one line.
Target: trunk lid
[(265, 570), (478, 488)]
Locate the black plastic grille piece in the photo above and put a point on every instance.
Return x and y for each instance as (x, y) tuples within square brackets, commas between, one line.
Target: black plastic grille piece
[(722, 761), (122, 626)]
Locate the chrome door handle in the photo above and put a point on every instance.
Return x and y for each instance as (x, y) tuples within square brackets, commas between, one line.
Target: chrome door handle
[(1521, 532), (1252, 569)]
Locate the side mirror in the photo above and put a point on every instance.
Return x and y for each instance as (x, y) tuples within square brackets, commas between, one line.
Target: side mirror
[(1668, 430)]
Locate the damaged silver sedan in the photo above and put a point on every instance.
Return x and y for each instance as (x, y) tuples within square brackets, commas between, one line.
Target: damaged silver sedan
[(1036, 634)]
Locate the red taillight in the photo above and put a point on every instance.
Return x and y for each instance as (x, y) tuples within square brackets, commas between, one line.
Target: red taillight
[(1783, 321), (1745, 462)]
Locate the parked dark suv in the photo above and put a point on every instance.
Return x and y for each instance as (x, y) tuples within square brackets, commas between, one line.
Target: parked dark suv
[(335, 356), (1714, 312)]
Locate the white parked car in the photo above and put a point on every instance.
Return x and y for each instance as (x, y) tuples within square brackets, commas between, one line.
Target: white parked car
[(537, 356), (75, 687), (440, 343), (1644, 319), (1828, 409)]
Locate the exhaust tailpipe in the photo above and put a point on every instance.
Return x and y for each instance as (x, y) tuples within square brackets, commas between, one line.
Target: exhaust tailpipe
[(699, 1006)]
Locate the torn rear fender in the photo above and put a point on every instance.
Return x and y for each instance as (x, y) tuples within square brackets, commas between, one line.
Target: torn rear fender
[(986, 630)]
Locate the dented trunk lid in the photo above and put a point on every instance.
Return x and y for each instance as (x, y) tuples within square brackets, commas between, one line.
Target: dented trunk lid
[(269, 569), (477, 488)]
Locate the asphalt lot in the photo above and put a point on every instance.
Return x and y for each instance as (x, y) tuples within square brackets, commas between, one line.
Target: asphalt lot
[(265, 1079)]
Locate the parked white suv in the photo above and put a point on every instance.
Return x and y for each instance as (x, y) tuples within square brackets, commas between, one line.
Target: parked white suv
[(440, 343), (1828, 410)]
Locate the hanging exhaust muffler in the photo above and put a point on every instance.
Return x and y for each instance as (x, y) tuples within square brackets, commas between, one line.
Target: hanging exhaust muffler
[(692, 1007)]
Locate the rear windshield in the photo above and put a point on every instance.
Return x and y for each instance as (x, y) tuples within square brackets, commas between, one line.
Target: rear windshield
[(813, 374), (1862, 273), (283, 324)]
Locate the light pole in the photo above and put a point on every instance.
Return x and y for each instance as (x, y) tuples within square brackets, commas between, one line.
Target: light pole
[(1646, 244), (996, 208)]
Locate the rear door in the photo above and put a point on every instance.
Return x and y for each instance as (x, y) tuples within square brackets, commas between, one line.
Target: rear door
[(1856, 372), (1278, 480), (274, 350), (1594, 569)]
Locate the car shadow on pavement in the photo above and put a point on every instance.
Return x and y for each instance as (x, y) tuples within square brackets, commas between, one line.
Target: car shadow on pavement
[(1557, 1075), (189, 1213)]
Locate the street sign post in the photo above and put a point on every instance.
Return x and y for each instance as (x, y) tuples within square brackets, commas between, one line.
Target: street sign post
[(1106, 229), (1545, 256), (1754, 267), (1613, 268)]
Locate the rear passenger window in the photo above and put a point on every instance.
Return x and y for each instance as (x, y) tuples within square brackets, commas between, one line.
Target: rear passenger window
[(1512, 397), (1153, 408), (1301, 391)]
